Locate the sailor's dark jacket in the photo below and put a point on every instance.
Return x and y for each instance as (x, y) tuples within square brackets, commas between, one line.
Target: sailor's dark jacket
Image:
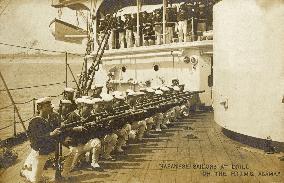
[(74, 137), (39, 134)]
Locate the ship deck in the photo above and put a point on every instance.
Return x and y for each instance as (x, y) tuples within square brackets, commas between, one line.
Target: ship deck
[(176, 156)]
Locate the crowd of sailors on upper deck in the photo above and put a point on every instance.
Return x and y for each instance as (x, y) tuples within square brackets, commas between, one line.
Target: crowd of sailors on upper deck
[(189, 21)]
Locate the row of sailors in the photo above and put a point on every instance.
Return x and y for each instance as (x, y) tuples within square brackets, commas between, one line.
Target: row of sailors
[(186, 23), (44, 131)]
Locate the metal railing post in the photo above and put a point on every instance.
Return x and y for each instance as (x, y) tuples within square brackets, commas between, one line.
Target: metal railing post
[(14, 123), (34, 106), (13, 102), (66, 69)]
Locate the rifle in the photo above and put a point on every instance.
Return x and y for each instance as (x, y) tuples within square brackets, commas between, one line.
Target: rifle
[(58, 153), (98, 124)]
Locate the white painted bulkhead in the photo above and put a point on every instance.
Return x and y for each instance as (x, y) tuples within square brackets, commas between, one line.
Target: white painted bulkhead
[(249, 67), (139, 66)]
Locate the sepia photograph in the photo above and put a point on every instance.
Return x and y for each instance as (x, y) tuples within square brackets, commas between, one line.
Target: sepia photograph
[(141, 91)]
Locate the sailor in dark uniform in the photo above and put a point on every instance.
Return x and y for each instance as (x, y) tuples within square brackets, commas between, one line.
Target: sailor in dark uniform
[(138, 127), (121, 32), (78, 139), (123, 132), (182, 23), (171, 19), (158, 27), (102, 25), (201, 18), (108, 140), (149, 120), (128, 30), (69, 94), (175, 82), (111, 40), (209, 14), (42, 136), (96, 90), (145, 26)]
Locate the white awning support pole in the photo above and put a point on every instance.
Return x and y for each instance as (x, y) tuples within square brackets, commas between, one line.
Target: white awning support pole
[(138, 22), (165, 4)]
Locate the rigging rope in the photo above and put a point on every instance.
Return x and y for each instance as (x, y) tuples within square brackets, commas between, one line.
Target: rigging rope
[(40, 49), (36, 86), (6, 107), (5, 8)]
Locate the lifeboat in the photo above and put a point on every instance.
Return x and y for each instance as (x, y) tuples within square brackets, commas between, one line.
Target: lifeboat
[(63, 31)]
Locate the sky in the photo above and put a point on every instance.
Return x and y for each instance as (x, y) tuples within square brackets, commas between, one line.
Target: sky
[(24, 22)]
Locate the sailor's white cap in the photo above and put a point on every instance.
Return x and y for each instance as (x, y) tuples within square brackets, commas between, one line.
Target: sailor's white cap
[(170, 87), (97, 100), (89, 56), (114, 93), (79, 100), (155, 87), (164, 88), (120, 97), (176, 88), (86, 97), (97, 85), (88, 101), (158, 92), (183, 107), (106, 97), (44, 100), (129, 91), (64, 101), (69, 90), (150, 90), (140, 93), (174, 78), (133, 93), (142, 89)]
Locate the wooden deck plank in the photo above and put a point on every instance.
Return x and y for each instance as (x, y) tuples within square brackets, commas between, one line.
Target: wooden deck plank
[(141, 163)]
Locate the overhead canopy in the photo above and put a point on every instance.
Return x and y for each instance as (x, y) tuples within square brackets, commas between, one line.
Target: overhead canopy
[(111, 6)]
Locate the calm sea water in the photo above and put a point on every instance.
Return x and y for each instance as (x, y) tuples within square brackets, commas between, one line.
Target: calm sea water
[(22, 72)]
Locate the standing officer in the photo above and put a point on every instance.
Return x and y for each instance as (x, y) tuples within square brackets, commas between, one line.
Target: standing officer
[(101, 28), (134, 26), (42, 138), (145, 27), (201, 18), (171, 20), (128, 30), (111, 40), (182, 23), (158, 28), (121, 32)]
